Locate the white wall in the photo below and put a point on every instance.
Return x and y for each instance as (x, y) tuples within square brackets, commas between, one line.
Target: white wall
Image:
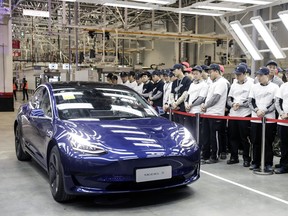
[(164, 52)]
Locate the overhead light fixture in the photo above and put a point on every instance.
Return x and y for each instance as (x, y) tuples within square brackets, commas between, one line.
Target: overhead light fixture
[(130, 5), (163, 2), (284, 18), (36, 13), (213, 6), (256, 2), (268, 37), (199, 12), (246, 41)]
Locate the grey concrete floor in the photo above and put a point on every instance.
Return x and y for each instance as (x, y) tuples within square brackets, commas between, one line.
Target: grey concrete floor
[(222, 190)]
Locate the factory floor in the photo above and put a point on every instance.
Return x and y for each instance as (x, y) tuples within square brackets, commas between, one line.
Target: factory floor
[(222, 190)]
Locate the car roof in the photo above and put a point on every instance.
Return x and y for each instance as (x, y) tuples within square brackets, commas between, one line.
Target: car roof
[(85, 84)]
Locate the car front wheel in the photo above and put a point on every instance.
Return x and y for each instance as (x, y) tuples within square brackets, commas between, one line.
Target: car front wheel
[(20, 154), (55, 172)]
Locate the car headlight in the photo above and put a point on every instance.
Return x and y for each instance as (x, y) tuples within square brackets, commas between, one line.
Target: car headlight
[(80, 144), (188, 140)]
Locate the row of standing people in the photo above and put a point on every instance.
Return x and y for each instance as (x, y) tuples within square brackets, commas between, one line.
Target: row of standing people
[(212, 96), (243, 99)]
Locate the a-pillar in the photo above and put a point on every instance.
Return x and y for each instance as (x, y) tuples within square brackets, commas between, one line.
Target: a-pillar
[(6, 64)]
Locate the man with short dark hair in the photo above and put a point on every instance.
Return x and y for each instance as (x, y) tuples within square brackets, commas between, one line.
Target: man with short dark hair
[(124, 78), (156, 97), (114, 79), (273, 70), (131, 78), (147, 85), (179, 92), (109, 77)]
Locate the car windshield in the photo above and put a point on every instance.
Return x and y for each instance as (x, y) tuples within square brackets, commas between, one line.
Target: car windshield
[(100, 103)]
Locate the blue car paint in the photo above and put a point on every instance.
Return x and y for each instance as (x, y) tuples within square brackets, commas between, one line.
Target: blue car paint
[(151, 142)]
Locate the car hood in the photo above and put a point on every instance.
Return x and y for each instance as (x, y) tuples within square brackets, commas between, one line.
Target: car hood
[(155, 135)]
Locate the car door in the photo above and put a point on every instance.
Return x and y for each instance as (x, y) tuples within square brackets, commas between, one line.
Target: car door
[(41, 128), (28, 122)]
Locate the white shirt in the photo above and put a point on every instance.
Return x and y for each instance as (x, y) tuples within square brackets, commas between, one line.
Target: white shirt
[(139, 88), (127, 83), (263, 95), (133, 85), (240, 93), (282, 93), (208, 81), (196, 90), (166, 92), (218, 87)]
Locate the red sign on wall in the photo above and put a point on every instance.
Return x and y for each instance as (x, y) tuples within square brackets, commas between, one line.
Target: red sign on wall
[(15, 44)]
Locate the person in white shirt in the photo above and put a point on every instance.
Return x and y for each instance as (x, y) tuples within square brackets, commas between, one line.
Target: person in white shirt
[(166, 92), (124, 78), (214, 105), (282, 108), (247, 73), (239, 130), (139, 87), (272, 66), (197, 93), (205, 74), (131, 78), (262, 103)]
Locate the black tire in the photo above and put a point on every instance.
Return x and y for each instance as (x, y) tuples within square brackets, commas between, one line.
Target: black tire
[(20, 154), (55, 172)]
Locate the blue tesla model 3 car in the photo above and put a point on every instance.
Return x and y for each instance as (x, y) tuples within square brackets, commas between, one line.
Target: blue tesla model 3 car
[(96, 138)]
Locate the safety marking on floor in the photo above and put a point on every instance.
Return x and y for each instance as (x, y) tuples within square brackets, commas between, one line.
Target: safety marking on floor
[(245, 187)]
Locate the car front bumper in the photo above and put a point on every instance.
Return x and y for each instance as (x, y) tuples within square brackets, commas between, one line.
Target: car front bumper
[(94, 177)]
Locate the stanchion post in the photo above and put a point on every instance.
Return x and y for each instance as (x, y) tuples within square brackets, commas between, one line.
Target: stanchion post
[(170, 113), (262, 170), (263, 144), (197, 128)]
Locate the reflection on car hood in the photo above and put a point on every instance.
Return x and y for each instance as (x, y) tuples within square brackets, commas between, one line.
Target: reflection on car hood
[(131, 135)]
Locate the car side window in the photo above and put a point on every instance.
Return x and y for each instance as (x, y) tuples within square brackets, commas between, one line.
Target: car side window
[(45, 104), (37, 97)]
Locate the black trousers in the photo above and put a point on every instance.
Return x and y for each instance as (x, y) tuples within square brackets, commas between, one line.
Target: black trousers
[(210, 138), (256, 140), (223, 134), (283, 134), (25, 92), (238, 136), (179, 118), (15, 95)]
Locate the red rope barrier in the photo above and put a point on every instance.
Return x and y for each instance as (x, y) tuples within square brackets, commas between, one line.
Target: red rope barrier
[(229, 117)]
